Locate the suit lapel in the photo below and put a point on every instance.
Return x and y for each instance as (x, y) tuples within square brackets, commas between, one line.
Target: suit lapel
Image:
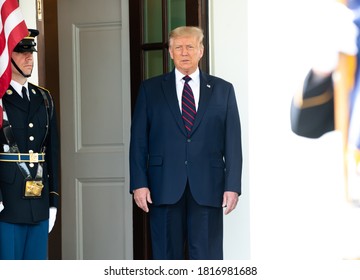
[(205, 95), (169, 90)]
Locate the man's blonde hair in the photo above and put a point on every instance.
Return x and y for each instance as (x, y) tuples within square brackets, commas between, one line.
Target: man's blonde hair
[(184, 31)]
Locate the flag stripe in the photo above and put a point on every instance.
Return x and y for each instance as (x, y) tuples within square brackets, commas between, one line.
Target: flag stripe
[(12, 33), (12, 30)]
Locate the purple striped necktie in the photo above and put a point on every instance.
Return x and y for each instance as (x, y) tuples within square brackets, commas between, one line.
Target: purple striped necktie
[(188, 105)]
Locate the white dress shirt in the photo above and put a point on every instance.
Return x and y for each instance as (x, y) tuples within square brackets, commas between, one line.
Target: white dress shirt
[(18, 87), (194, 83)]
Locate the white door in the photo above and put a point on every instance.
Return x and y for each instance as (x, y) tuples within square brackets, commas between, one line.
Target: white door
[(95, 122)]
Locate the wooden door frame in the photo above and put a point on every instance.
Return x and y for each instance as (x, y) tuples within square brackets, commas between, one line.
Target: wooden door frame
[(48, 72), (196, 15)]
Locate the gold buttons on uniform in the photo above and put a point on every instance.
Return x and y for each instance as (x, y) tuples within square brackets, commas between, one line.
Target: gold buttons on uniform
[(31, 165), (31, 138), (31, 125)]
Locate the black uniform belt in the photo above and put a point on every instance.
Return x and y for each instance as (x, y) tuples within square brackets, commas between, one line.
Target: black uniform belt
[(20, 157)]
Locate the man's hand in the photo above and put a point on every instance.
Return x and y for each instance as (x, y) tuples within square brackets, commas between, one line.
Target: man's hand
[(230, 201), (142, 198), (1, 206)]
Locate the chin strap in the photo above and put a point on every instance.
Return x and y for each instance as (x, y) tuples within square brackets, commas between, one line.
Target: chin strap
[(17, 68)]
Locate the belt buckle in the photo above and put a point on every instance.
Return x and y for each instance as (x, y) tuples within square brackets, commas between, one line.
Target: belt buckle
[(34, 157)]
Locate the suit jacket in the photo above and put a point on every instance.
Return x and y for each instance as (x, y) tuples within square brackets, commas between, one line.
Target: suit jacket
[(27, 122), (163, 157), (312, 111)]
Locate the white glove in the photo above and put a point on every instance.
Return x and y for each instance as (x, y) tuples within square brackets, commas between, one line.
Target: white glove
[(334, 33), (52, 217), (1, 206)]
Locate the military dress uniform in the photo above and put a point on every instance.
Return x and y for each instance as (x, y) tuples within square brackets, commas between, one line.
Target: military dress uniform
[(32, 125)]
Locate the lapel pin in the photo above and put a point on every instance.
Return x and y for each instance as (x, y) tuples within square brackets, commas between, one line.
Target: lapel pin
[(208, 86), (9, 92), (33, 91)]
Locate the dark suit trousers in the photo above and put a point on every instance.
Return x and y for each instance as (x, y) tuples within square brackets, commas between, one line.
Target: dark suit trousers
[(186, 222)]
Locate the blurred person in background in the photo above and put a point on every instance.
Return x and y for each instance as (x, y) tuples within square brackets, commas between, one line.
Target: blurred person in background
[(329, 100)]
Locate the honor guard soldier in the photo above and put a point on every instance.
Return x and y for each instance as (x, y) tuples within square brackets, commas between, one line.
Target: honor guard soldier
[(29, 155)]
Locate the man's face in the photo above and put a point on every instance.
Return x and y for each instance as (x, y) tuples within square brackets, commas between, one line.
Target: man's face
[(24, 61), (186, 53)]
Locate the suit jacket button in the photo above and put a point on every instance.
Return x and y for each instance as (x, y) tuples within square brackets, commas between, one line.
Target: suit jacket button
[(186, 162), (188, 140)]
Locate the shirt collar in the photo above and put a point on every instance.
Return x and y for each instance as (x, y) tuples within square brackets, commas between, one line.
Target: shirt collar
[(18, 86), (195, 77)]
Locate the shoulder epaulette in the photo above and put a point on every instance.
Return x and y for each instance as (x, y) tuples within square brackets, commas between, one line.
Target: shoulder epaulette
[(48, 91)]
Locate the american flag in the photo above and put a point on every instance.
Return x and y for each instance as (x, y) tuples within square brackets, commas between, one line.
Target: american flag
[(12, 30)]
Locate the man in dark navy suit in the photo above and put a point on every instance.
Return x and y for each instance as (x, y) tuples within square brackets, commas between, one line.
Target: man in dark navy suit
[(29, 154), (185, 153)]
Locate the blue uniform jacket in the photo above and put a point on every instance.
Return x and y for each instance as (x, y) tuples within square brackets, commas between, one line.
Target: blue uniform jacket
[(29, 127)]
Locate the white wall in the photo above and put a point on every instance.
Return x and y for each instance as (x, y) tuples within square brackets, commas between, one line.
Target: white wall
[(229, 60), (28, 8)]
